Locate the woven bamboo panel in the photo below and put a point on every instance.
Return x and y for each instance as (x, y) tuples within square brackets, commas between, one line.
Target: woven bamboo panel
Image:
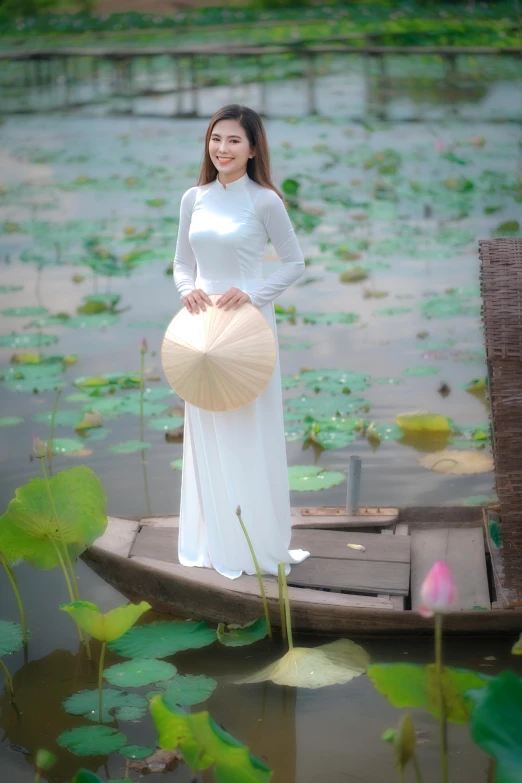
[(501, 285)]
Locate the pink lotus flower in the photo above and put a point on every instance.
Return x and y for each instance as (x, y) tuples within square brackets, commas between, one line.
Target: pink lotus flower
[(438, 591), (39, 447), (144, 346)]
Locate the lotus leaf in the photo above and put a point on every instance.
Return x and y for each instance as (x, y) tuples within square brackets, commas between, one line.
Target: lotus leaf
[(66, 445), (449, 306), (166, 423), (330, 318), (129, 447), (380, 432), (136, 752), (123, 705), (308, 478), (105, 627), (240, 635), (11, 637), (203, 743), (10, 421), (460, 463), (138, 672), (335, 380), (421, 421), (158, 393), (420, 372), (334, 405), (186, 690), (290, 381), (157, 640), (177, 464), (23, 311), (28, 524), (394, 311), (65, 418), (314, 667), (15, 340), (92, 740)]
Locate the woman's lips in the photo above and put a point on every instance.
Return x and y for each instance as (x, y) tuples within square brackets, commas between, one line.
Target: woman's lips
[(224, 161)]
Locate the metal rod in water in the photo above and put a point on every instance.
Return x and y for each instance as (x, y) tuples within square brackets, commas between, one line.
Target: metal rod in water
[(354, 485)]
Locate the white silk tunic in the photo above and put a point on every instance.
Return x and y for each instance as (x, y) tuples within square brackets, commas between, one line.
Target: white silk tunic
[(238, 457)]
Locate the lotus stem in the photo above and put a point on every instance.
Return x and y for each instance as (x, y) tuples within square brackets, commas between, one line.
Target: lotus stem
[(287, 610), (100, 682), (440, 696), (37, 776), (142, 389), (146, 482), (51, 433), (280, 567), (12, 578), (258, 571), (8, 680), (66, 576), (418, 775)]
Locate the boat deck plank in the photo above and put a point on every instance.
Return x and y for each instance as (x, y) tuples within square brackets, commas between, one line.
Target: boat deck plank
[(463, 551), (383, 568)]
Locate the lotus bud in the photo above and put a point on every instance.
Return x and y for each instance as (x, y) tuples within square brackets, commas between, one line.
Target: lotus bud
[(438, 591), (39, 447), (238, 511), (404, 742), (143, 346)]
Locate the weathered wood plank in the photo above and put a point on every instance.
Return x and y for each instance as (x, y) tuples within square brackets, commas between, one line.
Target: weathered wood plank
[(334, 544), (463, 550), (325, 521), (119, 536)]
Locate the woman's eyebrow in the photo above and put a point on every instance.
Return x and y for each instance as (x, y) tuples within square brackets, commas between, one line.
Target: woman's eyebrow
[(232, 136)]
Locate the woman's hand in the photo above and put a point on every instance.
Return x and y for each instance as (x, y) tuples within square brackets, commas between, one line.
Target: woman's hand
[(234, 297), (196, 299)]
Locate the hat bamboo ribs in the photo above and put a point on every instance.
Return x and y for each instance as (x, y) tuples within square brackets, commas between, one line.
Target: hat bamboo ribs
[(218, 359)]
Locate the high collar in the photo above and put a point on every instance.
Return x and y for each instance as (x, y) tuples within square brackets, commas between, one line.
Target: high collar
[(236, 185)]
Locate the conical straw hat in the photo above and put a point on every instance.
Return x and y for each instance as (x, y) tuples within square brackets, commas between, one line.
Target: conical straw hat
[(218, 359)]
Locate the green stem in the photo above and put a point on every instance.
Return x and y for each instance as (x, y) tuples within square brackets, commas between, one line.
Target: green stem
[(440, 694), (12, 579), (8, 679), (416, 767), (37, 776), (146, 482), (51, 433), (142, 385), (287, 610), (100, 682), (67, 580), (280, 567), (401, 776), (259, 577)]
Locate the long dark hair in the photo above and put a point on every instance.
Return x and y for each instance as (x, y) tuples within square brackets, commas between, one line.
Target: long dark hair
[(258, 167)]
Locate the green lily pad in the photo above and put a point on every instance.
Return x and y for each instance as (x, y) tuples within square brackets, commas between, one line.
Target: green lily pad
[(394, 311), (24, 311), (92, 740), (186, 690), (10, 421), (138, 672), (111, 300), (96, 321), (295, 346), (166, 423), (129, 446), (65, 418), (384, 432), (10, 289), (67, 445), (136, 752), (15, 340), (290, 381), (340, 404), (157, 640), (11, 637), (177, 464), (421, 371), (240, 635), (449, 306), (118, 704), (28, 528), (335, 381), (308, 478), (158, 393), (329, 318), (495, 724), (119, 379)]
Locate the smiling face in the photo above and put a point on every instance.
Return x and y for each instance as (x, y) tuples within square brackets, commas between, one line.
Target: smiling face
[(229, 150)]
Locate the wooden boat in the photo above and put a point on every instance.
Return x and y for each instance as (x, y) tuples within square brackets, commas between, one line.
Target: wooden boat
[(338, 590)]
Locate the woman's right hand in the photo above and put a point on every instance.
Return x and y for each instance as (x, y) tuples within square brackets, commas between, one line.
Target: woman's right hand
[(196, 299)]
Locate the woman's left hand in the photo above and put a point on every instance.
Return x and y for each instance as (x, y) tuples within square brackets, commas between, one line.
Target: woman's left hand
[(234, 297)]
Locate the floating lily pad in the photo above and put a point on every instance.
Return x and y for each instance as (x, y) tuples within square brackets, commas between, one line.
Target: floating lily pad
[(421, 371), (92, 740), (120, 704), (11, 637), (329, 318), (15, 340), (10, 289), (379, 432), (138, 672), (297, 346), (332, 405), (96, 321), (65, 418), (394, 311), (10, 421), (240, 635), (129, 447), (136, 752), (165, 423), (421, 421), (186, 690), (177, 464), (314, 667), (335, 380), (23, 311), (67, 445), (459, 463), (290, 381), (157, 640), (449, 306), (158, 393), (309, 478)]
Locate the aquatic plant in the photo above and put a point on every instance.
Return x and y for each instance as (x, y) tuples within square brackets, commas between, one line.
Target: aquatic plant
[(13, 582), (105, 628), (45, 760), (404, 742), (258, 572), (11, 640), (143, 350)]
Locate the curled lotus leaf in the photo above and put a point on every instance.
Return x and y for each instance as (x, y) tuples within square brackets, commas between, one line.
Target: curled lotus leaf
[(28, 529), (105, 627)]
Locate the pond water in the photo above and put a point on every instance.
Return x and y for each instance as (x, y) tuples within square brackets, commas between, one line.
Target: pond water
[(88, 206)]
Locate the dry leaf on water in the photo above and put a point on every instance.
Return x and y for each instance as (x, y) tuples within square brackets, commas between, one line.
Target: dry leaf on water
[(460, 463)]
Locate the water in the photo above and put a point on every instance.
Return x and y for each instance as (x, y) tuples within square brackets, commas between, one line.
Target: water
[(427, 235)]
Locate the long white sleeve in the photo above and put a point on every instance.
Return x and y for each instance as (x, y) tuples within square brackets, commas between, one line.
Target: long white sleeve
[(185, 260), (272, 212)]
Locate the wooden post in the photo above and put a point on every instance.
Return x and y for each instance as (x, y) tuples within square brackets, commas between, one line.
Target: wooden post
[(354, 485)]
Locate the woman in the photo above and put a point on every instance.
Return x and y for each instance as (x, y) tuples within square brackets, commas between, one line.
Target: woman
[(237, 457)]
